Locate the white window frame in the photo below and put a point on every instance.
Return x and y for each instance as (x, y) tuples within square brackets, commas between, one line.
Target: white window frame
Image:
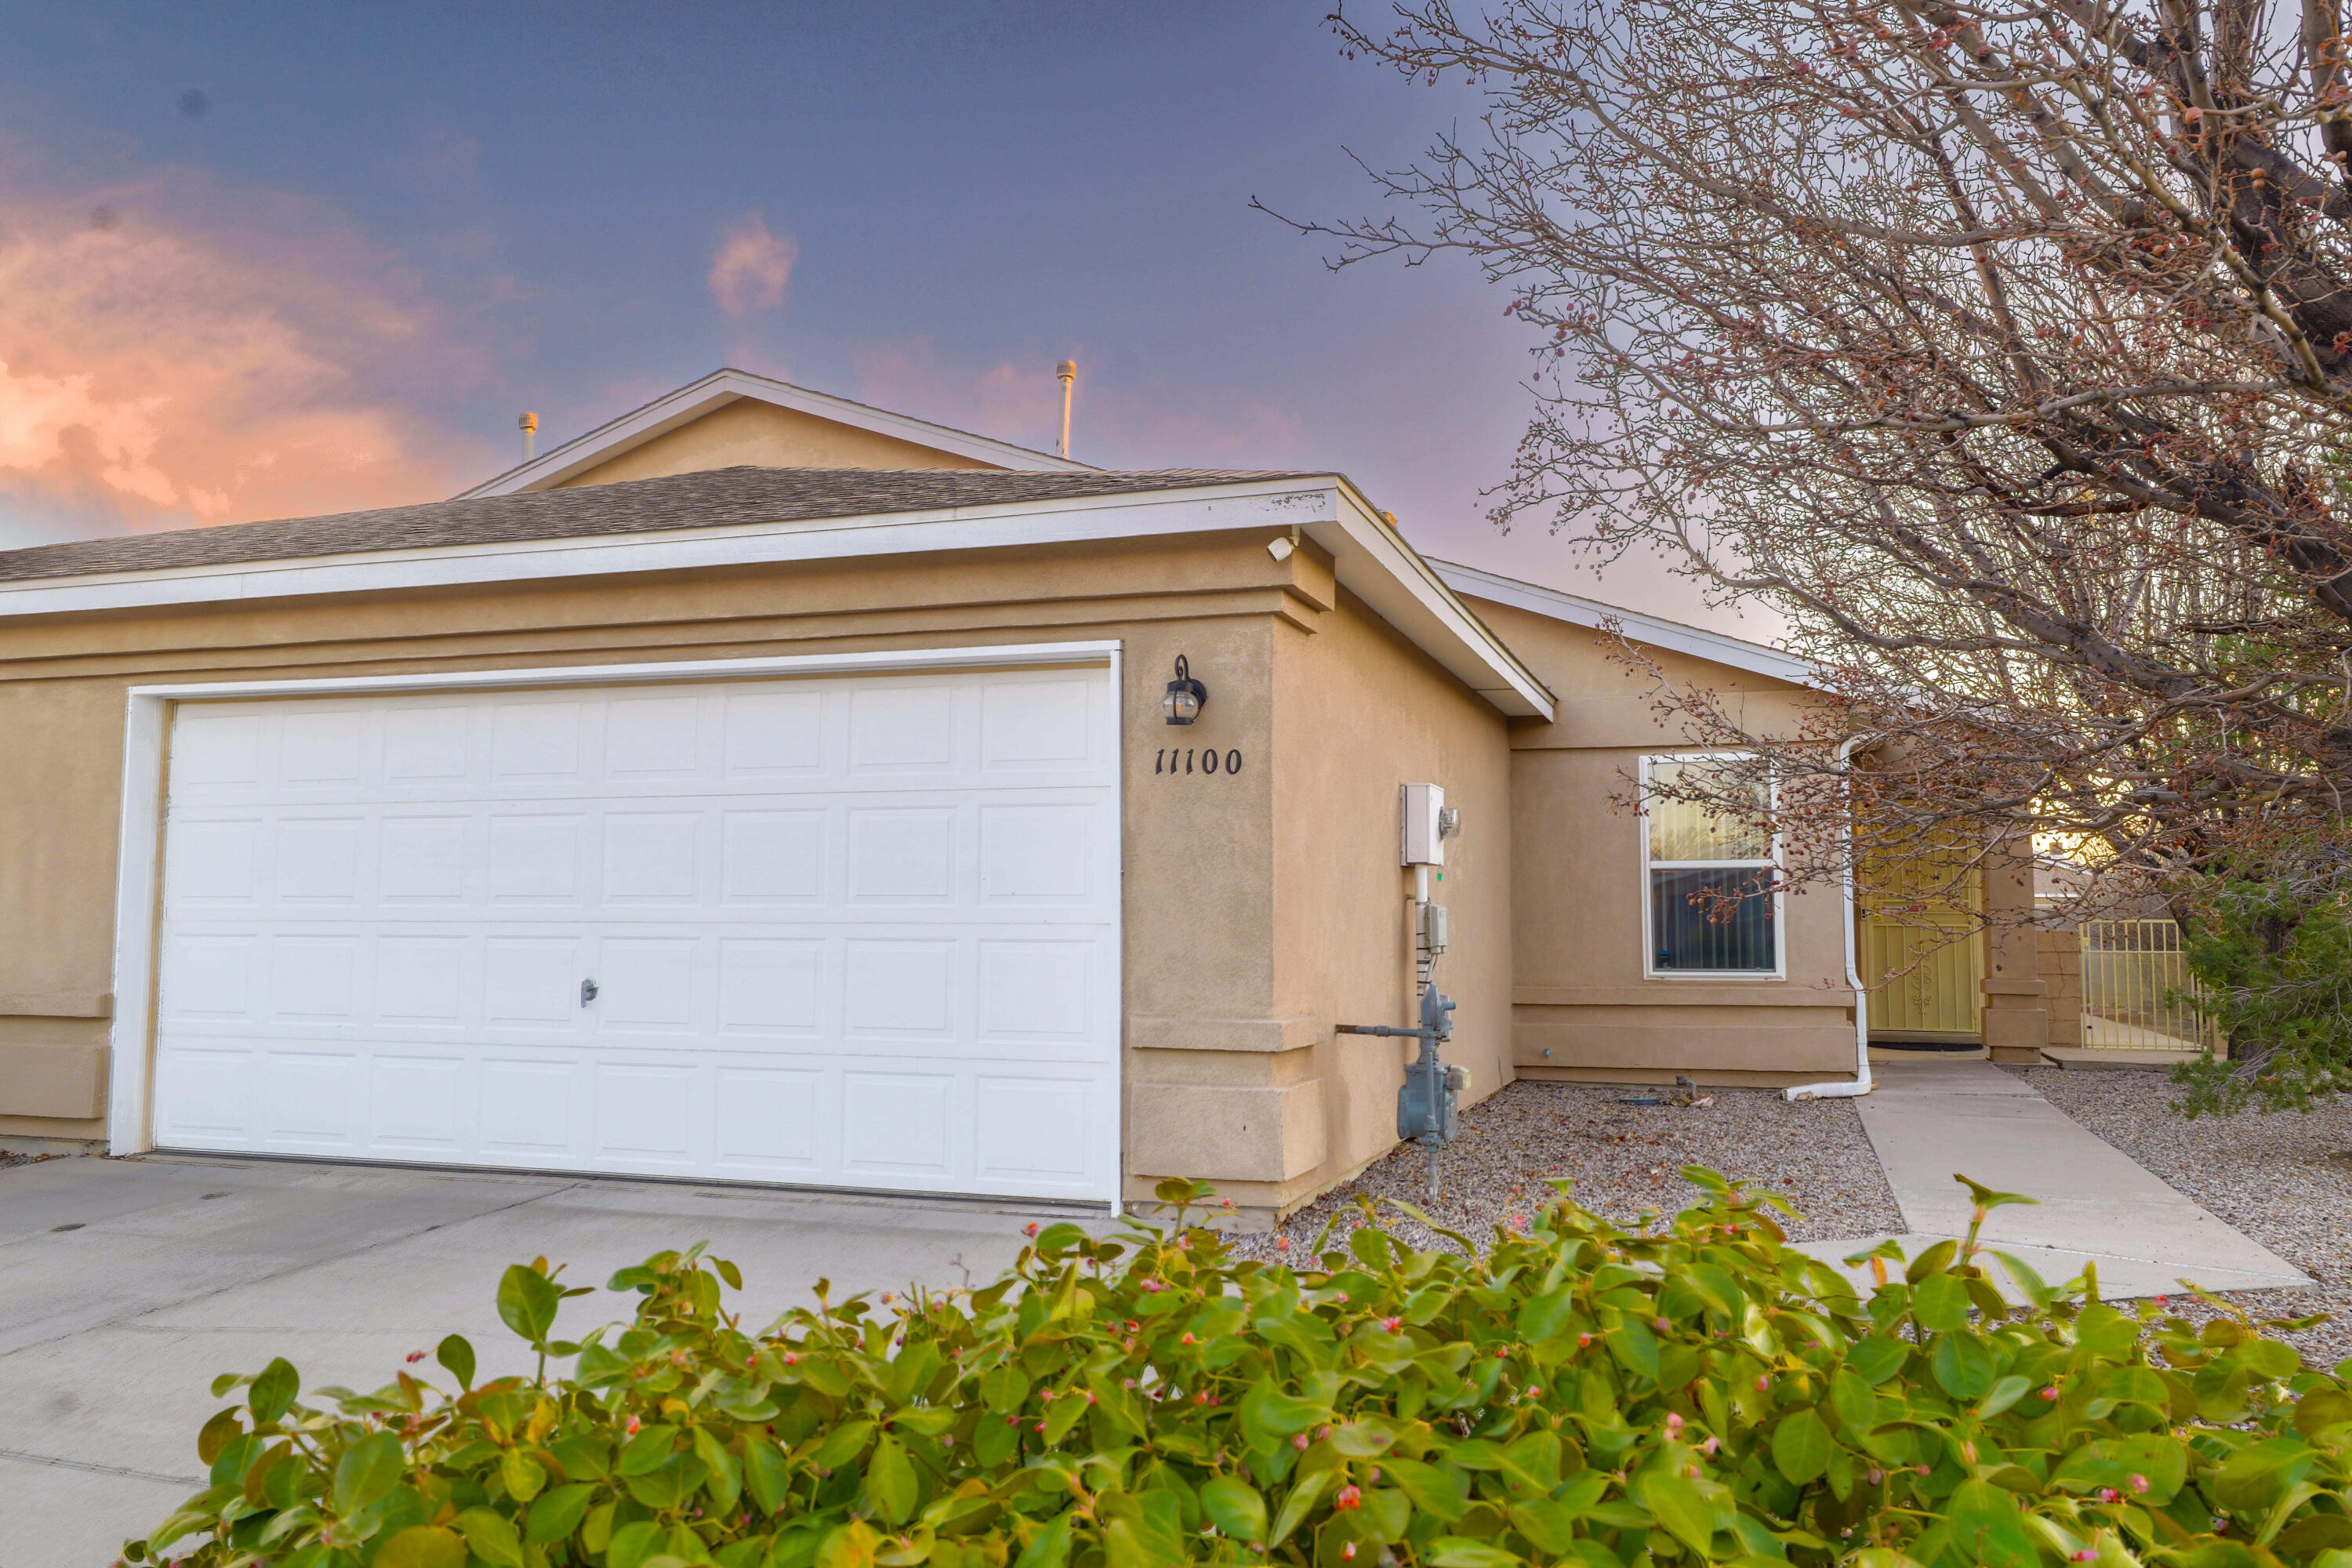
[(1650, 969)]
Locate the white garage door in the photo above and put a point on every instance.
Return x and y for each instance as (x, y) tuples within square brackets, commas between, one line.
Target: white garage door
[(857, 931)]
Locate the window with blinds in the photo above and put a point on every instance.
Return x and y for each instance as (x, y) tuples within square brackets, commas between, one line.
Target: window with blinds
[(1713, 904)]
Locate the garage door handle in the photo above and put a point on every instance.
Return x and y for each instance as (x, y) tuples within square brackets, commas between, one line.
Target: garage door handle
[(587, 992)]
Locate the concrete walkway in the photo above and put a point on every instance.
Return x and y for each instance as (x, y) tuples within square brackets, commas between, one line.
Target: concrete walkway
[(1928, 1120), (125, 1285)]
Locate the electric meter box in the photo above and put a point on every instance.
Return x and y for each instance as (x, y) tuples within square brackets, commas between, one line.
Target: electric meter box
[(1424, 843)]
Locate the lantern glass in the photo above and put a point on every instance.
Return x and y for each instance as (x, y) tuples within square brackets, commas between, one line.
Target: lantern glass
[(1185, 696)]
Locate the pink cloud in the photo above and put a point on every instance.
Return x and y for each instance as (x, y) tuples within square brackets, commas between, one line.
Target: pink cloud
[(750, 267), (1114, 424), (158, 368)]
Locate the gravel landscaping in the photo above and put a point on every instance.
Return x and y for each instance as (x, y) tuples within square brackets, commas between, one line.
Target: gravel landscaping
[(2284, 1180), (1624, 1159)]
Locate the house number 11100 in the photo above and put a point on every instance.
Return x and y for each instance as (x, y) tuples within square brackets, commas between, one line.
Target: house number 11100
[(1209, 761)]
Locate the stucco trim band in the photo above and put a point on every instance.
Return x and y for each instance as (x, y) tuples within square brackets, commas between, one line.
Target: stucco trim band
[(147, 729), (1370, 558)]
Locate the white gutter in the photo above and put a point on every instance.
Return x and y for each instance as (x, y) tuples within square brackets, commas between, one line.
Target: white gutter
[(1838, 1089)]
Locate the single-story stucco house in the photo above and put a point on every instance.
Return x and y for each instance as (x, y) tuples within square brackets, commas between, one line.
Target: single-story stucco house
[(765, 787)]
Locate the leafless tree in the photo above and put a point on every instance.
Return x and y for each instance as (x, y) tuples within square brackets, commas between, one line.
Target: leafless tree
[(2005, 345)]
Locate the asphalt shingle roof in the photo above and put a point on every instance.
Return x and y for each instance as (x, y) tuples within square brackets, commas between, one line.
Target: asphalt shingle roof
[(717, 498)]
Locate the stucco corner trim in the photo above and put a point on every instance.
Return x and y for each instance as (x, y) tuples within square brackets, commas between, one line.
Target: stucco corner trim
[(56, 1004)]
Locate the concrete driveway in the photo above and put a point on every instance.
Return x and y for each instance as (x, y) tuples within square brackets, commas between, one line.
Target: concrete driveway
[(126, 1285)]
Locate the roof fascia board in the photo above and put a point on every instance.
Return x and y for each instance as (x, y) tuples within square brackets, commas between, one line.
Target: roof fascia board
[(1657, 632), (1078, 519), (720, 388), (1371, 559)]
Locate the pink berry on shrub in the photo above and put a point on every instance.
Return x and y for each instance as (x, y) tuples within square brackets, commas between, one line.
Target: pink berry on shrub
[(1299, 1441), (1349, 1497), (415, 1356), (1029, 1230), (2109, 1494), (2139, 1483), (1582, 1341), (1674, 1424), (2050, 1392), (1349, 1551), (1876, 1475), (2085, 1556), (1393, 1325), (633, 1425)]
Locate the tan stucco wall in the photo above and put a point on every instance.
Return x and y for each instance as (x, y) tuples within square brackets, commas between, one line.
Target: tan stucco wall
[(767, 436), (1582, 1007), (1212, 974), (1358, 711)]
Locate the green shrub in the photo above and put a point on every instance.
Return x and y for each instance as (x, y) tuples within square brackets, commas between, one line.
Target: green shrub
[(1579, 1394)]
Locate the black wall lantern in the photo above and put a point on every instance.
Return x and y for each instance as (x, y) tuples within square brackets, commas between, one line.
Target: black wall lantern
[(1186, 697)]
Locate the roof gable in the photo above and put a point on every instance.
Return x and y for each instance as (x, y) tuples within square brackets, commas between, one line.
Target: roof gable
[(737, 417)]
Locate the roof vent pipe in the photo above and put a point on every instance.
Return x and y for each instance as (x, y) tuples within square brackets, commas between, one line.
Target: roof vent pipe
[(529, 426), (1067, 371)]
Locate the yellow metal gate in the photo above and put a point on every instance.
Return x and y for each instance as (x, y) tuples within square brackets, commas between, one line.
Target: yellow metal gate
[(2137, 991), (1923, 952), (1924, 973)]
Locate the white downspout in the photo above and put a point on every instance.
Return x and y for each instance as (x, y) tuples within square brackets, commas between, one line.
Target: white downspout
[(1861, 1084)]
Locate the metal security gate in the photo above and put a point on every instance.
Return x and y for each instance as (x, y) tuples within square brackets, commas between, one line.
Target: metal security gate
[(2137, 993)]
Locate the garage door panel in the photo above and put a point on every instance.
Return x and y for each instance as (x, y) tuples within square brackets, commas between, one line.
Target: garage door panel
[(308, 1101), (536, 740), (771, 857), (417, 1103), (210, 974), (855, 930), (1032, 1130), (532, 980), (421, 980), (772, 985), (525, 1108), (215, 862), (646, 1115), (204, 1093), (772, 734), (644, 983), (315, 980), (898, 1124), (767, 1119), (901, 856)]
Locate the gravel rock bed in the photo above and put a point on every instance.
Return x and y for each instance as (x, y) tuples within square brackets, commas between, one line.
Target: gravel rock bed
[(1624, 1159), (2285, 1180)]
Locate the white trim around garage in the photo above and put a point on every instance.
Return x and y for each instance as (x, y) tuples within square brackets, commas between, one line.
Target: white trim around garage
[(147, 731)]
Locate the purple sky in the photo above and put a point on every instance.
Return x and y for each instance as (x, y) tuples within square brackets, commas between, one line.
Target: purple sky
[(264, 260)]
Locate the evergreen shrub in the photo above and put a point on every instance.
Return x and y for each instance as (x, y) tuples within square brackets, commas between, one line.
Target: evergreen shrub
[(1577, 1394)]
